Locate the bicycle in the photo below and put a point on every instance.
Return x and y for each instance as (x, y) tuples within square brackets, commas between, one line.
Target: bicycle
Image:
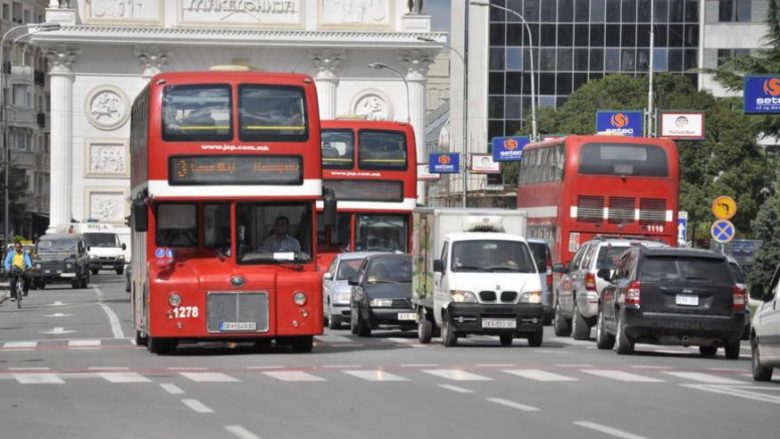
[(17, 279)]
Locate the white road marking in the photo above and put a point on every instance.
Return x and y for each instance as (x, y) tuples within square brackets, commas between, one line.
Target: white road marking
[(240, 432), (400, 340), (171, 388), (28, 368), (197, 406), (457, 375), (670, 351), (607, 430), (455, 388), (124, 377), (57, 330), (622, 376), (495, 365), (188, 368), (294, 376), (59, 314), (83, 343), (641, 366), (341, 366), (419, 365), (57, 303), (574, 365), (108, 368), (116, 327), (264, 367), (512, 404), (725, 369), (572, 342), (20, 344), (38, 378), (333, 338), (209, 377), (703, 378), (746, 393), (539, 375), (374, 375)]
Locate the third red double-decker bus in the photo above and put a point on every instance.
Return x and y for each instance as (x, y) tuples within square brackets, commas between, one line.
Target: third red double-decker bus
[(225, 175), (371, 168), (577, 187)]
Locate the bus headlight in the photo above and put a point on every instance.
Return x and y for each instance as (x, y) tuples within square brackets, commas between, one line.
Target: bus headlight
[(463, 296), (174, 299), (531, 297), (299, 298)]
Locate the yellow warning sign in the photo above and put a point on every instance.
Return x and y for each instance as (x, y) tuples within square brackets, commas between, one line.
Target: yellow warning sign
[(724, 207)]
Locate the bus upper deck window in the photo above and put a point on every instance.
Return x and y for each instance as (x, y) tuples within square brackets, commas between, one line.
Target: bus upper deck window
[(197, 112), (272, 112)]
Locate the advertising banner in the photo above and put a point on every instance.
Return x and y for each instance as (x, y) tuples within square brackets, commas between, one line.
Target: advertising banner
[(444, 163), (626, 123), (762, 94), (682, 125), (507, 149), (484, 164)]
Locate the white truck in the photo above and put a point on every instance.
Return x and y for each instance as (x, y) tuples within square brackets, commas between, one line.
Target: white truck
[(104, 247), (474, 274)]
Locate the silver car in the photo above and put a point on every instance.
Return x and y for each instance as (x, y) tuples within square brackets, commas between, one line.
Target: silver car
[(578, 292), (336, 289)]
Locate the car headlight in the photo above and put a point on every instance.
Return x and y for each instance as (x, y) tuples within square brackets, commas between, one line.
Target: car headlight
[(341, 298), (121, 257), (299, 298), (68, 266), (531, 297), (381, 303), (463, 296)]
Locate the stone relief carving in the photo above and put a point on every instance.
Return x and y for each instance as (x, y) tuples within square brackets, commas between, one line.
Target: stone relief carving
[(125, 9), (152, 59), (416, 63), (355, 11), (107, 206), (61, 59), (373, 107), (327, 62), (107, 107), (107, 159), (415, 7)]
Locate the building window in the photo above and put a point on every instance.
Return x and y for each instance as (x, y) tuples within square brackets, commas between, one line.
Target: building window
[(734, 10), (22, 96), (724, 55)]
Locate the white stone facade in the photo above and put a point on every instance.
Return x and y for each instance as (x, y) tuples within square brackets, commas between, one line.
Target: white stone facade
[(107, 50)]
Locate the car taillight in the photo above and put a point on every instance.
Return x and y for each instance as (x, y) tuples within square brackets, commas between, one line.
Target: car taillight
[(740, 299), (549, 264), (590, 282), (632, 294)]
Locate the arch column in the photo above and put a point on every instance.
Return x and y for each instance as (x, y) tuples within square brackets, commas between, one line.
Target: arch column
[(327, 63), (416, 64)]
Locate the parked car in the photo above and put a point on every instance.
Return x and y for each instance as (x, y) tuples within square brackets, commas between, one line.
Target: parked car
[(336, 288), (381, 294), (61, 257), (672, 296), (578, 291), (543, 258), (739, 278), (765, 331)]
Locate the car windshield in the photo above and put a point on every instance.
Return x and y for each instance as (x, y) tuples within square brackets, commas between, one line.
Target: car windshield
[(539, 250), (49, 246), (102, 240), (384, 270), (609, 256), (492, 256), (685, 269), (348, 268)]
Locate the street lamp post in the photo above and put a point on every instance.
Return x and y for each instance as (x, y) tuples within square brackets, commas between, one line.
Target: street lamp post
[(31, 29), (534, 130), (382, 66), (464, 169)]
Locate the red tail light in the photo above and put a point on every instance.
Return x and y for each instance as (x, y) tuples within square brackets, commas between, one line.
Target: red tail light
[(740, 299), (590, 282), (549, 264), (632, 294)]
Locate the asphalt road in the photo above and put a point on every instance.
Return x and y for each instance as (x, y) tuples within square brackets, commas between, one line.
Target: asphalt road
[(68, 369)]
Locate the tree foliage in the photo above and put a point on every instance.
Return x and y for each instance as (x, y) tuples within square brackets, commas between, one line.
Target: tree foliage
[(767, 228)]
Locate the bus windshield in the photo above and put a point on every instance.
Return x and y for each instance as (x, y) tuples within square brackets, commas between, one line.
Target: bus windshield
[(273, 232), (197, 112), (272, 113), (381, 233), (338, 149), (623, 159)]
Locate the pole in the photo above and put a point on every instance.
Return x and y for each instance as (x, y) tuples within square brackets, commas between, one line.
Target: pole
[(650, 116)]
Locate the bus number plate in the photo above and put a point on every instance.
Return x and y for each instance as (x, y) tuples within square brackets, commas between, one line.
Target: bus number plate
[(238, 326)]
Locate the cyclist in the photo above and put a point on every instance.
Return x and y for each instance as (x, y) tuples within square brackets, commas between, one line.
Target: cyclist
[(17, 261)]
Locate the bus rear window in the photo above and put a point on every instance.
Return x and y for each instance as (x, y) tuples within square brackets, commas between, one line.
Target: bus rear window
[(338, 149), (623, 159), (382, 150), (272, 113), (197, 112)]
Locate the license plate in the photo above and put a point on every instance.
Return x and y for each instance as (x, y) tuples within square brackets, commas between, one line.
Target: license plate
[(68, 275), (499, 323), (238, 326), (687, 300), (407, 316)]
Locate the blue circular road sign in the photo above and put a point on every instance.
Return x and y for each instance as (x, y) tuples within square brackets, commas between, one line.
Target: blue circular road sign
[(722, 231)]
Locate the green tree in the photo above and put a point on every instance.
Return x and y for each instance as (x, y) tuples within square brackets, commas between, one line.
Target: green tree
[(767, 228)]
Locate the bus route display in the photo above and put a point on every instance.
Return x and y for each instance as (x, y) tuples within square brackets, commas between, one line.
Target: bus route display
[(235, 170)]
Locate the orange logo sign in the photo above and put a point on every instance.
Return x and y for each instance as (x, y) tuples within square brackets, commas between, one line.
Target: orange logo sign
[(772, 87), (444, 159), (510, 144), (619, 120)]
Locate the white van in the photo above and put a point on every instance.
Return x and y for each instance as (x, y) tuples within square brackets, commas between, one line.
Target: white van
[(106, 250)]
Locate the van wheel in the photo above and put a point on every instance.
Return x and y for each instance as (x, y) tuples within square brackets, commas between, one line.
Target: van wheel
[(760, 372), (535, 339), (424, 330), (120, 270), (85, 281), (604, 340), (732, 350), (506, 339), (624, 345), (561, 326), (579, 327), (95, 270), (448, 336)]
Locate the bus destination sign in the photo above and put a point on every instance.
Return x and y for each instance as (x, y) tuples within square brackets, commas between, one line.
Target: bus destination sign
[(235, 170)]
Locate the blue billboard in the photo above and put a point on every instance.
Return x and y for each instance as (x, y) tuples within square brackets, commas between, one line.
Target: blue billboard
[(762, 94), (444, 163), (507, 149), (626, 123)]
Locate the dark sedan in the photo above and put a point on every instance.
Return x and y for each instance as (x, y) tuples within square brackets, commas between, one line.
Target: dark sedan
[(381, 294)]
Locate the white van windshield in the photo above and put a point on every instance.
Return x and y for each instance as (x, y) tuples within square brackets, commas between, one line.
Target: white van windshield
[(102, 240), (492, 256)]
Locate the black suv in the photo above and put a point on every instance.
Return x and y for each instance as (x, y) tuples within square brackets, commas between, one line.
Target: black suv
[(61, 257), (671, 296)]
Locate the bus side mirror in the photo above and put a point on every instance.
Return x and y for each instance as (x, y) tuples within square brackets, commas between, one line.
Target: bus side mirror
[(330, 208), (140, 220)]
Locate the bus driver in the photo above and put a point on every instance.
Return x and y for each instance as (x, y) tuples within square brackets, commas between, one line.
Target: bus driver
[(281, 240)]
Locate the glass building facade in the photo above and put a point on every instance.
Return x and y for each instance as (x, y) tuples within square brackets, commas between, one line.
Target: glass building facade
[(575, 41)]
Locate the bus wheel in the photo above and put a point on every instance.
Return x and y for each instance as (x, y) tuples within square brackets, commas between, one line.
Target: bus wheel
[(160, 345), (303, 344)]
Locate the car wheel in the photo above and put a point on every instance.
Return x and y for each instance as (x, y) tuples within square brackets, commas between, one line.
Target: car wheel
[(561, 326), (303, 344), (448, 336), (42, 285), (363, 330), (424, 330), (140, 339), (95, 270), (506, 339), (75, 284), (334, 322), (535, 339), (579, 327), (708, 351), (623, 343), (732, 349), (604, 340), (760, 372)]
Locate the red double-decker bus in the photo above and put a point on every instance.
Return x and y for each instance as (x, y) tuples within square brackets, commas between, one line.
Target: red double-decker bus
[(371, 168), (577, 187), (226, 172)]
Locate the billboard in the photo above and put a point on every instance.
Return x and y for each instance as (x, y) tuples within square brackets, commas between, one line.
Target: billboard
[(424, 173), (682, 125), (444, 163), (484, 164), (626, 123), (762, 94), (507, 149)]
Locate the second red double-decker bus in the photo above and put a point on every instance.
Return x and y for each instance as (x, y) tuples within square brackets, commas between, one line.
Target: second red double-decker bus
[(371, 168), (225, 175), (577, 187)]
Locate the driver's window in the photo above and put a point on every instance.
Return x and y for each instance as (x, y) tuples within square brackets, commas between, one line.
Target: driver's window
[(444, 253)]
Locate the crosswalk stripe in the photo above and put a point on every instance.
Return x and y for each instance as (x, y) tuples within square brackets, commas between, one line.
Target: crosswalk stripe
[(208, 377), (456, 375), (622, 376), (539, 375), (703, 377), (333, 338), (124, 377), (374, 375), (400, 340), (38, 378), (294, 376), (84, 343), (20, 344), (512, 404)]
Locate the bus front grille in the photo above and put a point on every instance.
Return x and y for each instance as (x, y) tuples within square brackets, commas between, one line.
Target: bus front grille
[(237, 312)]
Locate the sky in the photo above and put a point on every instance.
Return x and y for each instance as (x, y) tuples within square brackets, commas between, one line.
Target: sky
[(439, 10)]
